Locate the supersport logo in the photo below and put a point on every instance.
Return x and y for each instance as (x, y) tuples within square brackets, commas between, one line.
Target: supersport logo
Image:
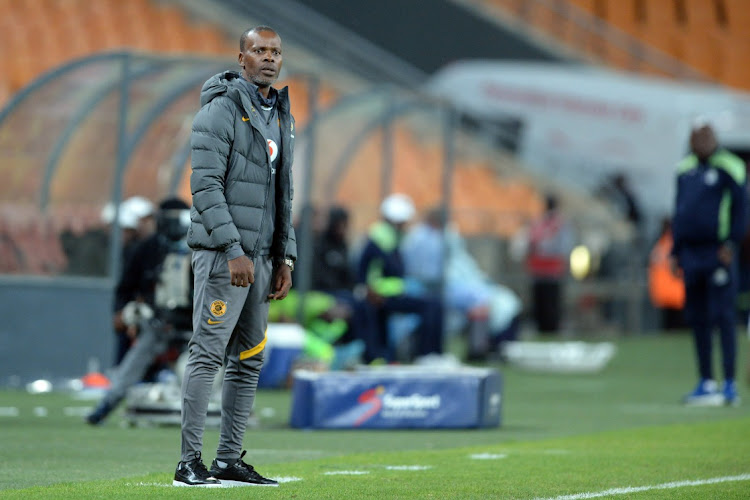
[(371, 397)]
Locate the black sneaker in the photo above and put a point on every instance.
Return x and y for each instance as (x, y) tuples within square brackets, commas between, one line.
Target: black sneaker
[(194, 473), (240, 474)]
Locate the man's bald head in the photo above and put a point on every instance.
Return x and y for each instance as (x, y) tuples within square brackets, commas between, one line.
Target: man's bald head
[(248, 32), (703, 141)]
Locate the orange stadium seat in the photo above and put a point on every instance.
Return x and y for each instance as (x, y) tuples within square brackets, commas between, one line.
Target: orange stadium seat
[(666, 41), (735, 69), (514, 7), (738, 17), (587, 5), (660, 13), (31, 31), (700, 15), (704, 52), (546, 20), (621, 13)]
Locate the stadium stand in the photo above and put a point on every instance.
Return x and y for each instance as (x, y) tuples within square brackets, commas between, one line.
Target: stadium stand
[(37, 36), (709, 36), (486, 200)]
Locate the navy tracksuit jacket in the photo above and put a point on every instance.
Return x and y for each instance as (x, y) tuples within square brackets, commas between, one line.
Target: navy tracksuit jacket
[(710, 212)]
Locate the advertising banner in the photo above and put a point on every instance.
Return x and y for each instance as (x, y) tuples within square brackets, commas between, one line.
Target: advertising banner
[(396, 399)]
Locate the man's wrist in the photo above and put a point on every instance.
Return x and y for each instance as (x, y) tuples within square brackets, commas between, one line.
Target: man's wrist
[(284, 260)]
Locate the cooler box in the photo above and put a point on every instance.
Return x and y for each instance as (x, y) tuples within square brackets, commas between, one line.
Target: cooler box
[(397, 398), (284, 344)]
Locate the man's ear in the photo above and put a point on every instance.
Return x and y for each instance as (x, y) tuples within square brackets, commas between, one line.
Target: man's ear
[(241, 60)]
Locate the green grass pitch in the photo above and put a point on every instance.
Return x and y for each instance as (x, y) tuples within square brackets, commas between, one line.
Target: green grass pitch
[(620, 433)]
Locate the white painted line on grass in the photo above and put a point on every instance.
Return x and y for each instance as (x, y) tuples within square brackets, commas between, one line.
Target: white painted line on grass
[(346, 472), (663, 486), (77, 411), (408, 467), (149, 484), (488, 456), (268, 451), (9, 411), (289, 479)]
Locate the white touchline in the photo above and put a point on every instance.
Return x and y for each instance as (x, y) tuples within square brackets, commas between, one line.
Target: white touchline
[(141, 483), (9, 411), (488, 456), (287, 479), (346, 472), (663, 486)]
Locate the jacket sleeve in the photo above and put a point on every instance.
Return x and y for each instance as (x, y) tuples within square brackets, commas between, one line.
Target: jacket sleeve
[(739, 212), (127, 286), (211, 144), (677, 230), (369, 252), (291, 244), (285, 242)]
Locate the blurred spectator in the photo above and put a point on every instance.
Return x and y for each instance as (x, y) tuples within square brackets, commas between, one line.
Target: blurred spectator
[(550, 240), (140, 222), (380, 279), (708, 227), (666, 289), (153, 301), (87, 250), (332, 274), (333, 271), (136, 217), (435, 256)]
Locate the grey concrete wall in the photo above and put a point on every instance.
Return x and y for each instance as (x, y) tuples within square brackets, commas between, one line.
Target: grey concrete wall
[(53, 327)]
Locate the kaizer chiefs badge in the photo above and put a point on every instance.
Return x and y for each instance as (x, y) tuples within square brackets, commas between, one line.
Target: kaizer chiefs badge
[(218, 308)]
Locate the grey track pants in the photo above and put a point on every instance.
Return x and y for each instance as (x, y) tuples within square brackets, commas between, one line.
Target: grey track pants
[(228, 322), (135, 364)]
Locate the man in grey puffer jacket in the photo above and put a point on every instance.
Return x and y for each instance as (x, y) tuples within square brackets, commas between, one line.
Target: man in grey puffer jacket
[(244, 250)]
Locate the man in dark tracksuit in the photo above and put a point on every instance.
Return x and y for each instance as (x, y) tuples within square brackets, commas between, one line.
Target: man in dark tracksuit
[(708, 225), (243, 250), (157, 276), (380, 279)]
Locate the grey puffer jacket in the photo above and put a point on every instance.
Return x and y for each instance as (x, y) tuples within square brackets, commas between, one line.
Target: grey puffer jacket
[(231, 173)]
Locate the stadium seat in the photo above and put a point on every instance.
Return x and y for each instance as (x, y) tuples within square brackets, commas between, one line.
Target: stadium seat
[(738, 17), (704, 52), (32, 31), (660, 13), (665, 41), (514, 7), (546, 20), (700, 15), (587, 5), (621, 13), (735, 70)]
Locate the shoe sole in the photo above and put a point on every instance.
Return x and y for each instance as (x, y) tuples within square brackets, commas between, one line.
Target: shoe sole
[(234, 484), (180, 483)]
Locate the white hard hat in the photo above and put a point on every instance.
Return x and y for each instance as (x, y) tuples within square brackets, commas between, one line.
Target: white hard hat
[(397, 208), (139, 206), (127, 217)]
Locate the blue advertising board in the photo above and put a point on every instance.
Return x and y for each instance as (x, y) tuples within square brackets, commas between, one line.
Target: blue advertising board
[(397, 398)]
